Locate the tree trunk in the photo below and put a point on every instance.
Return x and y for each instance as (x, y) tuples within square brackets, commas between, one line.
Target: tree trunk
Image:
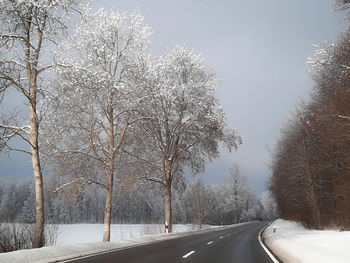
[(313, 202), (108, 207), (312, 193), (31, 68), (168, 212), (235, 220), (38, 179)]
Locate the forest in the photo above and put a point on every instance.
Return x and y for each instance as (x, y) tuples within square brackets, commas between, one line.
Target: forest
[(311, 162), (193, 202)]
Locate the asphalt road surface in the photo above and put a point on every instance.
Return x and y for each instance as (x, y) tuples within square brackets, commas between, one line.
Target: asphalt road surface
[(236, 244)]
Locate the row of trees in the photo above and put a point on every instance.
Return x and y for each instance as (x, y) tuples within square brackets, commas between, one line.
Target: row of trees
[(311, 164), (196, 203), (101, 105)]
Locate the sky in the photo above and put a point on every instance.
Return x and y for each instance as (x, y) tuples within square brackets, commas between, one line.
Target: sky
[(259, 49)]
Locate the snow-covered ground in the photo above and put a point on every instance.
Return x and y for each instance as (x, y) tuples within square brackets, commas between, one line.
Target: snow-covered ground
[(85, 239), (87, 233), (293, 243)]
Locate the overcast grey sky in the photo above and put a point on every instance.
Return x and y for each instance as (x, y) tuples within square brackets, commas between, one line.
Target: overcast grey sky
[(259, 49)]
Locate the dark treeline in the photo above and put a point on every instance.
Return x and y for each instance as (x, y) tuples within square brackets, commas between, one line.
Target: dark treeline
[(311, 163), (192, 203)]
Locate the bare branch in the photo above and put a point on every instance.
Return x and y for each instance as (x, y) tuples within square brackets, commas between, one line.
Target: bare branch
[(17, 150), (86, 154), (15, 83)]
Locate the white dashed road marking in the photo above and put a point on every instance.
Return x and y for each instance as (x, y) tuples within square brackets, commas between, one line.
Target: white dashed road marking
[(188, 254), (210, 242)]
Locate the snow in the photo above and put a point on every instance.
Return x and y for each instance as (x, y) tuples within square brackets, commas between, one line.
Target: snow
[(293, 243), (87, 233), (74, 241)]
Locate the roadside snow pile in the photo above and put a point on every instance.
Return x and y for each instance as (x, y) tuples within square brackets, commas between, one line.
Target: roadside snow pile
[(87, 233), (293, 243)]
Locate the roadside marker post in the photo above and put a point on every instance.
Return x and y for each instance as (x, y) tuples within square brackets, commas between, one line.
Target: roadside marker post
[(166, 227)]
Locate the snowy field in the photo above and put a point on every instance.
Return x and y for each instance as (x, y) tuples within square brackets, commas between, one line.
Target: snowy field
[(293, 243), (85, 239), (87, 233)]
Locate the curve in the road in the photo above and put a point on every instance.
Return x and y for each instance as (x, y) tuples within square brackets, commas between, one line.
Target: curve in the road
[(236, 244)]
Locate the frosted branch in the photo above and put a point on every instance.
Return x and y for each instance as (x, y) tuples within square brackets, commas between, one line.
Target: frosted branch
[(344, 117), (83, 180), (24, 129), (154, 179)]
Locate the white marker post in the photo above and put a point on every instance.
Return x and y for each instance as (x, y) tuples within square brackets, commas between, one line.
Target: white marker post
[(166, 227)]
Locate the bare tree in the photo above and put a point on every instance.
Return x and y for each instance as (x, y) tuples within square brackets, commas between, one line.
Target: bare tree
[(293, 163), (27, 29), (95, 104), (183, 123)]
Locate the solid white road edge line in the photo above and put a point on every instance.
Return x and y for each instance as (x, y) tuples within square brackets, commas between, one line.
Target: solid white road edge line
[(265, 248), (188, 254), (210, 242)]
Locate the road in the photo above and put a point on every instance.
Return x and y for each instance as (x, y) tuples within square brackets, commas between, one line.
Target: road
[(236, 244)]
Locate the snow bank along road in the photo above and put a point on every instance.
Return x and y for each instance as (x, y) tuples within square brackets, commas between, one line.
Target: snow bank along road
[(236, 244), (292, 242)]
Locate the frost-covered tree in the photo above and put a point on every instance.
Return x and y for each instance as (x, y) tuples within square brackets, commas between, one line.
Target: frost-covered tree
[(217, 198), (183, 123), (236, 192), (27, 30), (94, 108), (343, 5), (248, 215), (269, 206), (196, 203)]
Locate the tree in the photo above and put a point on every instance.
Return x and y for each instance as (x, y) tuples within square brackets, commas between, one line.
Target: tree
[(248, 215), (311, 162), (269, 206), (217, 196), (236, 192), (297, 184), (27, 212), (342, 5), (196, 203), (183, 123), (95, 103), (27, 29)]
